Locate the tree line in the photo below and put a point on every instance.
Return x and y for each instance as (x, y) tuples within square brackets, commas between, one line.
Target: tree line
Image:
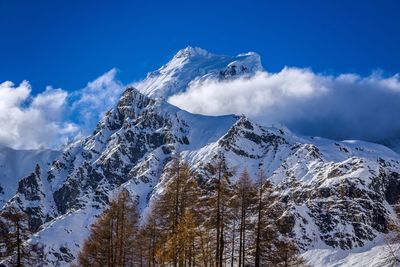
[(197, 220)]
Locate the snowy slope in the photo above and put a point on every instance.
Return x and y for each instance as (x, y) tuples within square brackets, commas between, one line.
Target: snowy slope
[(373, 254)]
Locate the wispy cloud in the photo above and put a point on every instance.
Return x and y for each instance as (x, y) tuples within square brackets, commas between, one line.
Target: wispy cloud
[(90, 103), (347, 106)]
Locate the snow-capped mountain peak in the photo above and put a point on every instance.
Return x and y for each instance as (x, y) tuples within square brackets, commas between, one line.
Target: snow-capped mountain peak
[(196, 64), (190, 51)]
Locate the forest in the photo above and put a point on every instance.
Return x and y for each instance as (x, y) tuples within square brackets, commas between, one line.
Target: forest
[(198, 220)]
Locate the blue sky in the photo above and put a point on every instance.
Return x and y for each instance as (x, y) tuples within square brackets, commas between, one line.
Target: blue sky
[(68, 43)]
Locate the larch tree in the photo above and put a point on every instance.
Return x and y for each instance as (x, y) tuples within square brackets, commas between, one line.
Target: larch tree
[(149, 237), (234, 206), (175, 218), (245, 193), (392, 248), (15, 247), (264, 219), (287, 254), (219, 190), (261, 180), (112, 239), (169, 209), (191, 219)]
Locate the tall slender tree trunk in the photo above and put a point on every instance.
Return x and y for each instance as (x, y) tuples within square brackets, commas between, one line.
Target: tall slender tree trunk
[(153, 249), (122, 238), (203, 250), (150, 253), (241, 237), (141, 257), (176, 219), (244, 238), (115, 254), (258, 236), (19, 264), (110, 245), (221, 242), (218, 224), (193, 256), (233, 243)]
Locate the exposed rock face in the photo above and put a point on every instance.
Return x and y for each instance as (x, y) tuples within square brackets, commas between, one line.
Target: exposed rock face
[(31, 197), (30, 186), (15, 164)]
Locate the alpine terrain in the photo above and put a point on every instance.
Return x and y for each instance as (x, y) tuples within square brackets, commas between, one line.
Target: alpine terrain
[(337, 196)]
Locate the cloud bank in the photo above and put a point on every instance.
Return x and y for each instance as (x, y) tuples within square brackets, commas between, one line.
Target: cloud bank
[(341, 107), (347, 106), (52, 117)]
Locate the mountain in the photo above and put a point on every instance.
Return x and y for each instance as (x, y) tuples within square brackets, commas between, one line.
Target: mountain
[(335, 196)]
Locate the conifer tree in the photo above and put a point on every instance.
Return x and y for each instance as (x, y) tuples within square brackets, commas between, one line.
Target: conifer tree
[(234, 206), (392, 250), (175, 217), (15, 249), (218, 175), (287, 254), (112, 239), (264, 219), (245, 193), (149, 237)]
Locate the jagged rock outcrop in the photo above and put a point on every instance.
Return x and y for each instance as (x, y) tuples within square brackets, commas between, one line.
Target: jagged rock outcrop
[(15, 164)]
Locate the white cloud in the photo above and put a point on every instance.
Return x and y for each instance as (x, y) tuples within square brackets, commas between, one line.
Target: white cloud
[(51, 101), (342, 107), (32, 122), (55, 115)]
